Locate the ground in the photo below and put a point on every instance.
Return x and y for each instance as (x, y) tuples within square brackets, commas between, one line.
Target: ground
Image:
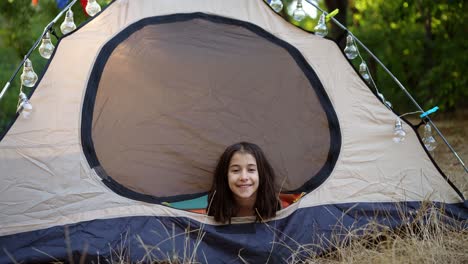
[(454, 126)]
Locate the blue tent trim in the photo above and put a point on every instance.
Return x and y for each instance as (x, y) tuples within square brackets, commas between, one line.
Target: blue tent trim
[(254, 242)]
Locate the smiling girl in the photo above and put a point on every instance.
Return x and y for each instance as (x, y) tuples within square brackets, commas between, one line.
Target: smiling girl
[(243, 185)]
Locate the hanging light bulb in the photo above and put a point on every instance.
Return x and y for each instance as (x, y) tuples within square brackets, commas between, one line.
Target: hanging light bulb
[(398, 132), (46, 47), (24, 106), (92, 8), (387, 103), (380, 95), (321, 28), (276, 5), (28, 77), (350, 49), (364, 72), (68, 24), (429, 142), (299, 14)]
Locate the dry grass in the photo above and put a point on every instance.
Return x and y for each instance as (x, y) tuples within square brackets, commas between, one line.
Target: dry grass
[(427, 237), (154, 253)]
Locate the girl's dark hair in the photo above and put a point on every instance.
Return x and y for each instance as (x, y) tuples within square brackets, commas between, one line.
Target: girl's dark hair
[(221, 203)]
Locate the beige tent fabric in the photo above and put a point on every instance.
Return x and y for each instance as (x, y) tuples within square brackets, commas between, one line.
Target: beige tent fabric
[(46, 181)]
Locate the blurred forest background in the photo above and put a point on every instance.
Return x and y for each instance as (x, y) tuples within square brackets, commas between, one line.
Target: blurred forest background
[(421, 41)]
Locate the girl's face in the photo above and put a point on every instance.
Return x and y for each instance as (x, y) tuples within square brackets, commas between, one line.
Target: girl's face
[(243, 177)]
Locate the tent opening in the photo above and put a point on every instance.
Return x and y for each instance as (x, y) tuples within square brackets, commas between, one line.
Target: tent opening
[(169, 93)]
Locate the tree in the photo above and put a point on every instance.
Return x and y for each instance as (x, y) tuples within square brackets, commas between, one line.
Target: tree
[(342, 6), (21, 25), (422, 43)]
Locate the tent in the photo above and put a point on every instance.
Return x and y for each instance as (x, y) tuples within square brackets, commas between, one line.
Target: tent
[(135, 107)]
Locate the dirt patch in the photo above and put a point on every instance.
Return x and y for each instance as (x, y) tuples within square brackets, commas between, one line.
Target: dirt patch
[(454, 127)]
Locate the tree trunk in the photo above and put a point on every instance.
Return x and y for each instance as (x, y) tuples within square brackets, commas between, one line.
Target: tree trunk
[(425, 7), (342, 5)]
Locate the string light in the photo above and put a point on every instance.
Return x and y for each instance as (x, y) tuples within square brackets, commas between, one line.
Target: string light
[(364, 72), (398, 132), (299, 14), (387, 103), (24, 106), (92, 7), (380, 95), (429, 142), (350, 50), (68, 24), (47, 48), (321, 28), (276, 5), (28, 77)]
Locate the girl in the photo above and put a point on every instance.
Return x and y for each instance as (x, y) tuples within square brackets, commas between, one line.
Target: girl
[(243, 185)]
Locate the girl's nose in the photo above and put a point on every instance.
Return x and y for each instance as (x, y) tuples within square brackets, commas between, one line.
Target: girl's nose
[(244, 175)]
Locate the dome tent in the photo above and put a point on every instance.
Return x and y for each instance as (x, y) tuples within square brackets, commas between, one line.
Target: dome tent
[(156, 90)]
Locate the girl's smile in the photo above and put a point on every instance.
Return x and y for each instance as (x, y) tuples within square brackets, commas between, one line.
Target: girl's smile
[(243, 178), (243, 185)]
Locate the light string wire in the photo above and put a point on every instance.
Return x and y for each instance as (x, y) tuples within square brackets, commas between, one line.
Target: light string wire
[(19, 101), (355, 39), (47, 28), (410, 113), (370, 76), (429, 120)]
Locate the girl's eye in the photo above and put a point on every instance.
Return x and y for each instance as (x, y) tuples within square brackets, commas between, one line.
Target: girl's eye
[(252, 170)]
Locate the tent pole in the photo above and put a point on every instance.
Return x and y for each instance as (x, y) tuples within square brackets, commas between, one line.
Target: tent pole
[(47, 28), (397, 82)]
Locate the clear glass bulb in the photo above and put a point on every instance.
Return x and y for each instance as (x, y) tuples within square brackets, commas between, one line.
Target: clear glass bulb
[(276, 5), (381, 96), (92, 8), (68, 24), (398, 132), (364, 71), (299, 14), (47, 48), (389, 104), (429, 142), (321, 28), (28, 77), (350, 49), (24, 106)]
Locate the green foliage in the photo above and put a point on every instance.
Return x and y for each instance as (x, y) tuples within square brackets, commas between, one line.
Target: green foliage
[(422, 43), (12, 18), (20, 23), (21, 26)]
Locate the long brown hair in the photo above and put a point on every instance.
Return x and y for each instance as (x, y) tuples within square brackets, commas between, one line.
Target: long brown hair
[(221, 203)]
